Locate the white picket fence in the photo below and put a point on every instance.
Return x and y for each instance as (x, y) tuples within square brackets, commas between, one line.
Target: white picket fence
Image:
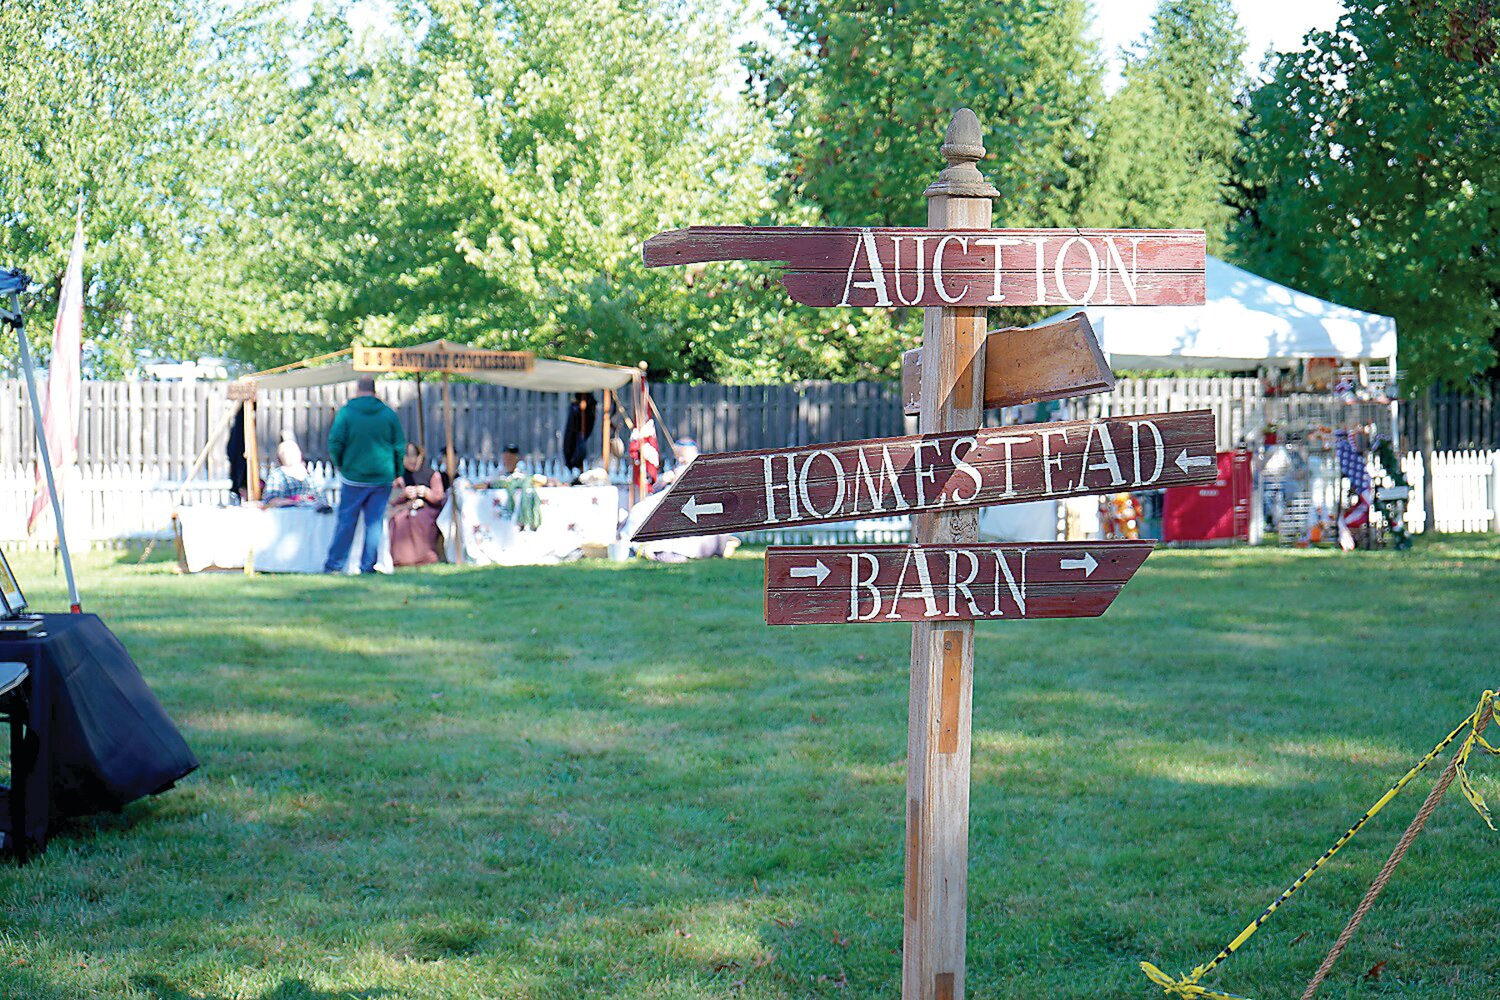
[(112, 503), (1466, 490)]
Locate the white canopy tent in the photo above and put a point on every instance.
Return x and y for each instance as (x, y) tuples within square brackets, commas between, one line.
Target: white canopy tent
[(1248, 322)]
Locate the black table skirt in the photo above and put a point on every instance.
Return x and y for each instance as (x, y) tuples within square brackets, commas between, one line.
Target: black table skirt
[(100, 739)]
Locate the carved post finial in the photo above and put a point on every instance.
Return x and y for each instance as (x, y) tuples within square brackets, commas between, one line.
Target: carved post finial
[(963, 147)]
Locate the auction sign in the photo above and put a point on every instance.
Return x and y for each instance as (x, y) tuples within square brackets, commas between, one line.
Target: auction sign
[(946, 580)]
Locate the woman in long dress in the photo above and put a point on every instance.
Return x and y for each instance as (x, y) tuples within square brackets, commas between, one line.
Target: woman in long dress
[(415, 501)]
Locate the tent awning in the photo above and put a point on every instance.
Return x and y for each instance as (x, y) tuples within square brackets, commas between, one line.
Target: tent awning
[(1247, 322), (546, 375)]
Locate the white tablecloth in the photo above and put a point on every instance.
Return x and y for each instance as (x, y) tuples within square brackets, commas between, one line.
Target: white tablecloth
[(282, 539), (571, 517)]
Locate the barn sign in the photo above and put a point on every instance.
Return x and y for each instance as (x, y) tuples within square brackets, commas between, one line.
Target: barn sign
[(955, 269), (839, 584), (887, 268), (789, 487)]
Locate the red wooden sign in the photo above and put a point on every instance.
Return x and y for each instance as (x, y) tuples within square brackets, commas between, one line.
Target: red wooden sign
[(1056, 361), (788, 487), (838, 584), (941, 267)]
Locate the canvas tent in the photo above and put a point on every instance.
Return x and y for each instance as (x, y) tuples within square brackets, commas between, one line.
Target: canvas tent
[(1248, 322), (544, 374)]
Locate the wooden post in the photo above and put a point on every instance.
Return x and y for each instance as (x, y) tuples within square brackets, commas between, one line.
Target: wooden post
[(605, 433), (942, 655), (252, 453), (452, 466), (421, 415), (641, 416)]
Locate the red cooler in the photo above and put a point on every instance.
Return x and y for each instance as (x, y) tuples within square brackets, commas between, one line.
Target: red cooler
[(1216, 513)]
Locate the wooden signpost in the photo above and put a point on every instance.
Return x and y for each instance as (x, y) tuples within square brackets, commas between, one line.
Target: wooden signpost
[(946, 580), (787, 487), (1056, 361)]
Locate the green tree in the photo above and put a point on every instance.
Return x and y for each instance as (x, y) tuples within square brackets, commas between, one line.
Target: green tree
[(862, 94), (1371, 171), (128, 104), (1164, 152), (491, 175)]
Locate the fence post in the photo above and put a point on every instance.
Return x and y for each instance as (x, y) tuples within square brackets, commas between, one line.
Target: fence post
[(1495, 491)]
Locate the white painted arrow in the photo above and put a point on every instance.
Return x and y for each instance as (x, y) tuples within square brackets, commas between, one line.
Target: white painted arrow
[(818, 572), (1184, 463), (692, 510), (1088, 564)]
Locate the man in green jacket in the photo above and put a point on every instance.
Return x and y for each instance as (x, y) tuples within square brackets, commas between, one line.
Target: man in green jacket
[(367, 446)]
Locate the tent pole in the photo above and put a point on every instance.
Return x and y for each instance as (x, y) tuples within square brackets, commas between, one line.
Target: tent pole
[(46, 456), (421, 415), (605, 433), (252, 453), (458, 534)]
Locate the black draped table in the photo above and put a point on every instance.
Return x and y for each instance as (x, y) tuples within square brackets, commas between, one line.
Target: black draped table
[(99, 738)]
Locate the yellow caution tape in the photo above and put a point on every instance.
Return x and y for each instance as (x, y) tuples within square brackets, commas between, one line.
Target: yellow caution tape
[(1187, 986)]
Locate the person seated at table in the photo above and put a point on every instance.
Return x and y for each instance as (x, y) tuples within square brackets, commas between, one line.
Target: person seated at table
[(290, 484), (511, 465), (416, 498)]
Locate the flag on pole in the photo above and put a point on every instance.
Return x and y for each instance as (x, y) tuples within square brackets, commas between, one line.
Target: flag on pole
[(1355, 469), (60, 418), (644, 450)]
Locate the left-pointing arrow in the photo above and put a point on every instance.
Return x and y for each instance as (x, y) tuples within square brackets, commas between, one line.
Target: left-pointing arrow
[(1088, 564), (818, 572), (1187, 464), (693, 510)]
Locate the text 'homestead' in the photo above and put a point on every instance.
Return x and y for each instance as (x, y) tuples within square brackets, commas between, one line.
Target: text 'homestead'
[(890, 267), (891, 476), (841, 584)]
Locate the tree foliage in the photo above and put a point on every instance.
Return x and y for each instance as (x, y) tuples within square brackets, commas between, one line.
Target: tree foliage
[(1371, 169), (862, 94), (1163, 155), (129, 105), (490, 177)]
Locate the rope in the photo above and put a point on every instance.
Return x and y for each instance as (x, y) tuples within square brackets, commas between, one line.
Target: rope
[(1187, 988), (1481, 720)]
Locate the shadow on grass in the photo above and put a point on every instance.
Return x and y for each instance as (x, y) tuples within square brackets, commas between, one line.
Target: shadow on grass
[(287, 989)]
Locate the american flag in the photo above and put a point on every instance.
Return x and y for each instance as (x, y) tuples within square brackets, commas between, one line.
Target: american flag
[(1354, 468)]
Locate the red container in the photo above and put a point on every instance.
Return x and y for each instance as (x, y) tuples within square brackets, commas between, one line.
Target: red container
[(1216, 513)]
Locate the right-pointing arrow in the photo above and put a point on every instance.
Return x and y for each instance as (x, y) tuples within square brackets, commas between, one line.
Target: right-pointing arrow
[(693, 510), (1088, 564), (1185, 463), (818, 572)]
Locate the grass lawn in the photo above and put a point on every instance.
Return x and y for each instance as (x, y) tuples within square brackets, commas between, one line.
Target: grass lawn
[(615, 781)]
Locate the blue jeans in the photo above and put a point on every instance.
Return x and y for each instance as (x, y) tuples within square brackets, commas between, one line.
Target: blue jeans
[(357, 499)]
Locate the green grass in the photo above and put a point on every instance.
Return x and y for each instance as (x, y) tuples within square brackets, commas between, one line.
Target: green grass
[(614, 781)]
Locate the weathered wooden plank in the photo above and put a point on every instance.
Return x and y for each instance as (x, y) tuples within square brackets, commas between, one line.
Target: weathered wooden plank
[(844, 584), (1055, 361), (891, 267), (958, 471)]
